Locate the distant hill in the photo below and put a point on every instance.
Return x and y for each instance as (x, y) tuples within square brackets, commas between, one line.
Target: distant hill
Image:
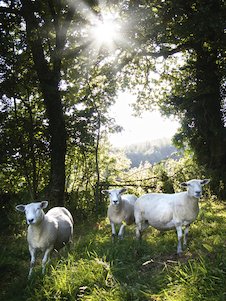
[(151, 151)]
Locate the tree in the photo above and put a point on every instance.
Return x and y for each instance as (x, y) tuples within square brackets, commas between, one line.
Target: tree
[(194, 89), (24, 146), (73, 82), (45, 50), (23, 133), (49, 75), (41, 35), (95, 94)]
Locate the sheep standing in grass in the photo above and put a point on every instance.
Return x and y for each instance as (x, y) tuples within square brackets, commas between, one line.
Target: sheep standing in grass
[(167, 211), (46, 231), (120, 210)]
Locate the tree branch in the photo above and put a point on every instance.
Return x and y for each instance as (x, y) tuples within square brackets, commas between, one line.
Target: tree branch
[(166, 52), (9, 10)]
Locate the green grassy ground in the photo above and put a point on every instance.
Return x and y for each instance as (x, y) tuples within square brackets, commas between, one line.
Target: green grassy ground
[(96, 269)]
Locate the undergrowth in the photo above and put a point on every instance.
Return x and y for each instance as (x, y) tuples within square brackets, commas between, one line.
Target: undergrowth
[(96, 269)]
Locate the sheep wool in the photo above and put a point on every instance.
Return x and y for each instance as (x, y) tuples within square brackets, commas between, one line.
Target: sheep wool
[(120, 210), (168, 211), (46, 232)]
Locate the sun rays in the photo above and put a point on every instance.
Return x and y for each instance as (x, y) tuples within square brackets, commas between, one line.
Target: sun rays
[(105, 32), (102, 29)]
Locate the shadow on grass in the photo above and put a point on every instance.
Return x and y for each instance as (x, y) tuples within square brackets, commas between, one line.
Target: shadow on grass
[(13, 266), (97, 269)]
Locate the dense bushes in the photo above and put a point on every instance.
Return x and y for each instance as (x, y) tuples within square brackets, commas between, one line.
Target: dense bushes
[(84, 198)]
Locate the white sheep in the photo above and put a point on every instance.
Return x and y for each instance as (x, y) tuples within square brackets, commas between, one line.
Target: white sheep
[(46, 231), (121, 209), (167, 211)]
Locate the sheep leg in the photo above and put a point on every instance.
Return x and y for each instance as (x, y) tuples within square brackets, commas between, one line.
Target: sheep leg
[(186, 230), (121, 231), (45, 258), (113, 231), (138, 230), (179, 237), (32, 262)]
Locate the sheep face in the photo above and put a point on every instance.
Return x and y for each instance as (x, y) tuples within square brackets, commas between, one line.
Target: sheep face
[(194, 187), (115, 195), (33, 211)]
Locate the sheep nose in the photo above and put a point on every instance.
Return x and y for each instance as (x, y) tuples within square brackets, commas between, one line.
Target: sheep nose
[(115, 202), (30, 221), (198, 193)]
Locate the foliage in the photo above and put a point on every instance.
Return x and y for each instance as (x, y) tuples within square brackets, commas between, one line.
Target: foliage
[(81, 178), (46, 91), (150, 151), (179, 67), (57, 85), (164, 176), (56, 90), (24, 141)]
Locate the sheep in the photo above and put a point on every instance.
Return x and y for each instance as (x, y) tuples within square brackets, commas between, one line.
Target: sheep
[(121, 210), (46, 231), (167, 211)]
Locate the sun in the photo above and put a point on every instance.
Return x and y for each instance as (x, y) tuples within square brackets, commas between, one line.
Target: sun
[(106, 31)]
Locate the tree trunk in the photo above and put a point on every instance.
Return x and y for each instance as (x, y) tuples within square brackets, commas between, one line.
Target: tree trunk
[(49, 78), (32, 149), (57, 142), (210, 141), (97, 186)]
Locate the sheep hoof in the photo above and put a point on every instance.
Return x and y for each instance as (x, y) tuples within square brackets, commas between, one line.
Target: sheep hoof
[(120, 237), (180, 254), (113, 237)]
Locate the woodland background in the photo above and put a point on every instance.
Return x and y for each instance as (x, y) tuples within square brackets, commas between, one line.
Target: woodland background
[(57, 86), (57, 89)]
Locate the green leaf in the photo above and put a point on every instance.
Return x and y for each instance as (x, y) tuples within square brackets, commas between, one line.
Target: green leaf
[(208, 247)]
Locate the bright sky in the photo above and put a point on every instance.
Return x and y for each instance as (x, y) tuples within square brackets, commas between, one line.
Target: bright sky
[(150, 126)]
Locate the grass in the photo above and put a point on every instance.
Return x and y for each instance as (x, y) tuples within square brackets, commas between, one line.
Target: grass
[(96, 269)]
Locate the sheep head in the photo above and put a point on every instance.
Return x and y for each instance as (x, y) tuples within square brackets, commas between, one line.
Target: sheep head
[(194, 187), (33, 211), (115, 195)]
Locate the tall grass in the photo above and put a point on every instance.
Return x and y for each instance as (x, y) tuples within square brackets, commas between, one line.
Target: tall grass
[(96, 269), (199, 279)]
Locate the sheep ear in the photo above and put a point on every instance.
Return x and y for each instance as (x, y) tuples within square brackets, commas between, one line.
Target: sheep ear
[(20, 208), (122, 189), (104, 191), (205, 181), (44, 204), (184, 184)]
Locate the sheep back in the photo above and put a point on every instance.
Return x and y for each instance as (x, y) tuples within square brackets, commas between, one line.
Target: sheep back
[(131, 198), (162, 211), (64, 221)]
